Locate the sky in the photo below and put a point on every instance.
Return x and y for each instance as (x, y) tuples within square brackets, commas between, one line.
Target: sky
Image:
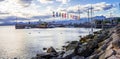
[(29, 8)]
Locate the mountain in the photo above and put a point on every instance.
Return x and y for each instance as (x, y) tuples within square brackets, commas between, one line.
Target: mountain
[(99, 17), (11, 20)]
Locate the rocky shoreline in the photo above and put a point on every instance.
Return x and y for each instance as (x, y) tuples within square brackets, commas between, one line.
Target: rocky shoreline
[(103, 44)]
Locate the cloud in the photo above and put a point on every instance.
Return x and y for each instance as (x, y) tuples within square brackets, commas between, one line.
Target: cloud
[(2, 13), (46, 1), (1, 0), (17, 7), (102, 6), (30, 8), (25, 3), (96, 7), (63, 1)]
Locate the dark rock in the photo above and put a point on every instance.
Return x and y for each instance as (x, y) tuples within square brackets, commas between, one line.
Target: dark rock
[(95, 56), (72, 45), (61, 53), (51, 54), (45, 56), (15, 58), (67, 42), (68, 54), (103, 47), (83, 40), (97, 32), (44, 48), (78, 57), (74, 42), (51, 50)]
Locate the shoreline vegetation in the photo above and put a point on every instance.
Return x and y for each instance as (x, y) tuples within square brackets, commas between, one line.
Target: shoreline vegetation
[(103, 44)]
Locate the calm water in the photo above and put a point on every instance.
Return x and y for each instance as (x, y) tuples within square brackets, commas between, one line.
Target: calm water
[(26, 43)]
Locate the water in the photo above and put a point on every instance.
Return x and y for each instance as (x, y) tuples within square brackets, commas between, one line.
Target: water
[(26, 43)]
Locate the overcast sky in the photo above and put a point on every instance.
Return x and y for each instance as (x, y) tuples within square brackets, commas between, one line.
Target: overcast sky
[(30, 8)]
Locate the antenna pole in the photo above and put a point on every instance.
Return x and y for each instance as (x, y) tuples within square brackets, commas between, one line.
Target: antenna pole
[(91, 20), (79, 10)]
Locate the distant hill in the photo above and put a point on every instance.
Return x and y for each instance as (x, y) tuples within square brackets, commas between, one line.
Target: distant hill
[(11, 20)]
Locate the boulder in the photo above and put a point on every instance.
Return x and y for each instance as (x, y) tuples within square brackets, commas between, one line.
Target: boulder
[(42, 56), (72, 45), (44, 48), (51, 50), (116, 41), (109, 53), (78, 57), (68, 53), (61, 53), (113, 57), (95, 56)]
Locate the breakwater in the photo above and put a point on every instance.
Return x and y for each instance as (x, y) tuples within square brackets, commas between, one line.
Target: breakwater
[(103, 44)]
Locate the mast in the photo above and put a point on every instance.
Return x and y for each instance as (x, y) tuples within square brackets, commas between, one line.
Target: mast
[(88, 14), (119, 12), (91, 13), (119, 6), (79, 11), (16, 21)]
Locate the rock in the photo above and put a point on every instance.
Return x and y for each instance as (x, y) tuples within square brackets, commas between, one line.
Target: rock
[(109, 47), (99, 38), (95, 56), (67, 53), (92, 44), (97, 32), (33, 58), (102, 56), (74, 42), (15, 58), (90, 36), (108, 40), (80, 49), (78, 57), (109, 53), (83, 40), (67, 42), (84, 50), (51, 54), (61, 53), (117, 51), (118, 30), (113, 57), (116, 41), (72, 45), (103, 47), (54, 58), (51, 50), (44, 48), (104, 44), (42, 56)]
